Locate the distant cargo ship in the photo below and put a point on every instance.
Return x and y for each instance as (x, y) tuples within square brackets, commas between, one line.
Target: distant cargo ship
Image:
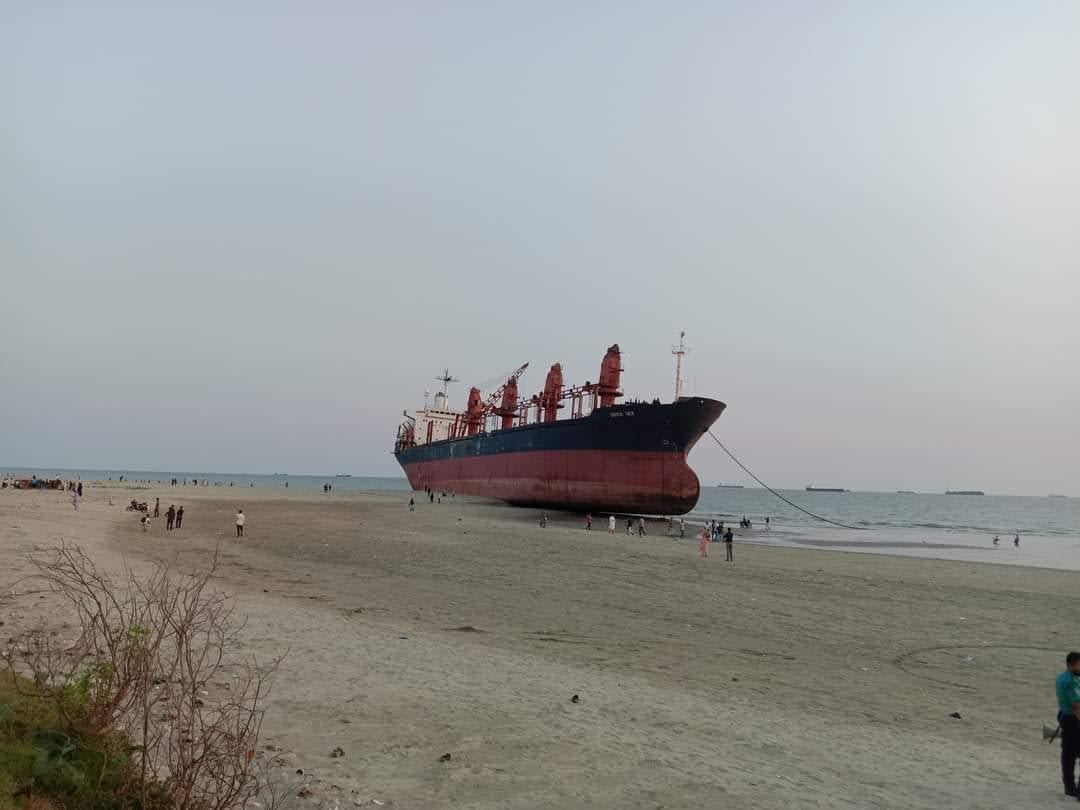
[(905, 492), (825, 489), (730, 486), (343, 475), (964, 492), (627, 457)]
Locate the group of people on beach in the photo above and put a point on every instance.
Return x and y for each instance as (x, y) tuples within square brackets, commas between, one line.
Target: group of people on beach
[(1016, 539), (433, 496), (714, 532), (174, 517)]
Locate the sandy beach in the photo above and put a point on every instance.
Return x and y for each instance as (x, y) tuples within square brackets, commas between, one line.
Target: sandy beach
[(792, 678)]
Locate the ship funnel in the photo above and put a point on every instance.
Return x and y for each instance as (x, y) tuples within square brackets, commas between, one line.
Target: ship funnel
[(440, 401), (610, 374), (549, 400)]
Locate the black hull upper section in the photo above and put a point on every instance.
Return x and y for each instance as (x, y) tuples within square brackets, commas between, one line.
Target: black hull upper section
[(639, 427)]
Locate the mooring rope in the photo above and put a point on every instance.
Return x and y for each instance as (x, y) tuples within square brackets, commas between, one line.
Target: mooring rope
[(777, 494)]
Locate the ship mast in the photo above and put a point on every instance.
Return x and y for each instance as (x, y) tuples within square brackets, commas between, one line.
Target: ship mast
[(446, 379), (679, 352)]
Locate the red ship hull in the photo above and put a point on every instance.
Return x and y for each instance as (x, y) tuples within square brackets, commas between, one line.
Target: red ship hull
[(604, 480)]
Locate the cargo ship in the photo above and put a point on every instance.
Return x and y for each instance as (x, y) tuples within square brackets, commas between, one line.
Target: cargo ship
[(812, 488), (602, 456)]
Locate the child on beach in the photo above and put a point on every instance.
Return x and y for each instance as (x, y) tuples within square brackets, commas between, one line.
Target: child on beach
[(703, 544)]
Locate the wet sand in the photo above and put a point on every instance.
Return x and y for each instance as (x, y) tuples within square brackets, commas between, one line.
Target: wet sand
[(792, 678)]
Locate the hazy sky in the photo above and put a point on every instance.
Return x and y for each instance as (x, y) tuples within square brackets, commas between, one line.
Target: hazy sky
[(244, 237)]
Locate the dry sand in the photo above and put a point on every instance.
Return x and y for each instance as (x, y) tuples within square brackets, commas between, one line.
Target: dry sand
[(792, 678)]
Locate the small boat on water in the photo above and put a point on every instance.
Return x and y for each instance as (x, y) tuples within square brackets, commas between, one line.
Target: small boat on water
[(343, 475), (964, 492), (825, 489)]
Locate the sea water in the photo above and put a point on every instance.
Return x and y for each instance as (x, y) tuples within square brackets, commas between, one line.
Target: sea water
[(958, 527)]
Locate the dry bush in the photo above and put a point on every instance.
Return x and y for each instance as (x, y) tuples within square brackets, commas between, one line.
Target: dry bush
[(156, 659)]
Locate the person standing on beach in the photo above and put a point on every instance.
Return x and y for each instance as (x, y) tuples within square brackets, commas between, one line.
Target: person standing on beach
[(179, 517), (768, 527), (543, 520), (157, 507), (240, 523), (641, 527), (75, 500), (412, 504), (729, 541), (629, 526), (703, 544), (588, 522), (1016, 540), (611, 524), (1067, 687), (682, 527), (170, 518)]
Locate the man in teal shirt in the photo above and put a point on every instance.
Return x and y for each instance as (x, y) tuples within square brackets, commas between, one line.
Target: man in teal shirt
[(1067, 686)]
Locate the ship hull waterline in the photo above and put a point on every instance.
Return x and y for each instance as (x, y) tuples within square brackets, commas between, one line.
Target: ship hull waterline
[(627, 459)]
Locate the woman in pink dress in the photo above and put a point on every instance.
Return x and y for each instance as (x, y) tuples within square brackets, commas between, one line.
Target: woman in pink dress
[(703, 544)]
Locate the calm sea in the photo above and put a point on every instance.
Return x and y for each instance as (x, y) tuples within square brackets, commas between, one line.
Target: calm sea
[(983, 514)]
